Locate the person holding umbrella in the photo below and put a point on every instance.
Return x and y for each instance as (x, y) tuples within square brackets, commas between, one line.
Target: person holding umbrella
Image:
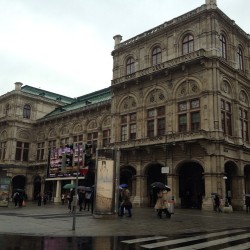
[(126, 203), (70, 199), (162, 200)]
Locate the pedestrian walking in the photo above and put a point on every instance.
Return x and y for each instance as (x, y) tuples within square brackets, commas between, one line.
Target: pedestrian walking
[(45, 198), (217, 203), (87, 202), (39, 199), (126, 203), (162, 204), (81, 196), (70, 199), (247, 201), (63, 198), (16, 198), (20, 200)]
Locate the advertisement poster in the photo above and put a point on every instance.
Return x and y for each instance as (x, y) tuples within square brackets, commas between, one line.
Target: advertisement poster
[(4, 191), (104, 186), (63, 162)]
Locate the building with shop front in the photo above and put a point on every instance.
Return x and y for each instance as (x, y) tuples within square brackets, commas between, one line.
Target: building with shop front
[(178, 102)]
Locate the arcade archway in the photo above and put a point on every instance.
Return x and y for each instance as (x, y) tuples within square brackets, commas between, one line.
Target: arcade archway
[(247, 179), (191, 185), (154, 174), (18, 182), (126, 177), (230, 171)]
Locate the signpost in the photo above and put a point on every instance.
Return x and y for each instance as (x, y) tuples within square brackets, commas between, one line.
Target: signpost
[(165, 170)]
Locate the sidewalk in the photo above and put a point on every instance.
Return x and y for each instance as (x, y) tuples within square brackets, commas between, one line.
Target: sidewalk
[(54, 220)]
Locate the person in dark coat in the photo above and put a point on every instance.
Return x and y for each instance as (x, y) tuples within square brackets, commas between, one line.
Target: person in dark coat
[(217, 203), (16, 198), (70, 199), (88, 197), (126, 203), (80, 199), (39, 199), (247, 203)]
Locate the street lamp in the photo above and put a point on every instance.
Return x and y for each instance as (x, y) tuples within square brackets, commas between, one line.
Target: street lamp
[(226, 202)]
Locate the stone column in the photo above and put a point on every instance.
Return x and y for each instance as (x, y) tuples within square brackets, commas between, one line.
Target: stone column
[(57, 198), (141, 197), (173, 183)]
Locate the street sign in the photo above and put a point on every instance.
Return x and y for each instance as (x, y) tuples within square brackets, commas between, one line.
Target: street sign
[(165, 170)]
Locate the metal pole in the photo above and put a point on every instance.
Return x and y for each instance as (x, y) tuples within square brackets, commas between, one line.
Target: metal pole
[(117, 180), (76, 186)]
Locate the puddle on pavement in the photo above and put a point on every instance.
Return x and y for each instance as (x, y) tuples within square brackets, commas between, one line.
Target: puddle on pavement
[(19, 242)]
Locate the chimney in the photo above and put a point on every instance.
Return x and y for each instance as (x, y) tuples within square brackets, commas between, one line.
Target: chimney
[(117, 39), (211, 4), (18, 86)]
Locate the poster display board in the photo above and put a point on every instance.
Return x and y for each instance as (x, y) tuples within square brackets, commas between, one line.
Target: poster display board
[(63, 162), (4, 191), (105, 185)]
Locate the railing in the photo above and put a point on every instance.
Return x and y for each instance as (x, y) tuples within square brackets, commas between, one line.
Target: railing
[(165, 65)]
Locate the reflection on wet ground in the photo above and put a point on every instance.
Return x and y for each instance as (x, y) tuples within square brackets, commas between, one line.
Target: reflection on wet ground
[(17, 242), (225, 239)]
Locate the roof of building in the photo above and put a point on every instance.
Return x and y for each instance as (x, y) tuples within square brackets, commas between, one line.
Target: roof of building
[(84, 101), (46, 94)]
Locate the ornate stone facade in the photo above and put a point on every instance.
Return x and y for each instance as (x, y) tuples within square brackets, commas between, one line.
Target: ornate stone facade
[(179, 99)]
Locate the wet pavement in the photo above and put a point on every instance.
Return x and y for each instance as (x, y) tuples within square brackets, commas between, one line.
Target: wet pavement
[(34, 227)]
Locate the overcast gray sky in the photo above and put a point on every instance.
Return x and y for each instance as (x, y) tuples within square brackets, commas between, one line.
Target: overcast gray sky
[(64, 46)]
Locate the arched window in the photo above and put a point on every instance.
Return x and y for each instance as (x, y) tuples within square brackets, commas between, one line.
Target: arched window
[(26, 111), (223, 46), (156, 55), (130, 66), (240, 58), (188, 44)]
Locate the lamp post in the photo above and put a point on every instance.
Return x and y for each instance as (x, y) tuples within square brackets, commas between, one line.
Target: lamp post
[(226, 202), (76, 186)]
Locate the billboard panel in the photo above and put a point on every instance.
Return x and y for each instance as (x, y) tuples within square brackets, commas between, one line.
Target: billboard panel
[(4, 191), (63, 162)]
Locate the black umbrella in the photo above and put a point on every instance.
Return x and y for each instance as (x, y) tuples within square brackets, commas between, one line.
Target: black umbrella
[(19, 190), (84, 188), (160, 185)]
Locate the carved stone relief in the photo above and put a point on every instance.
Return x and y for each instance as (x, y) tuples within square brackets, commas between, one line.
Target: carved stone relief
[(107, 122), (92, 124), (78, 128), (41, 136), (243, 96), (23, 135), (52, 133), (226, 88), (128, 103), (3, 135), (156, 96), (189, 87)]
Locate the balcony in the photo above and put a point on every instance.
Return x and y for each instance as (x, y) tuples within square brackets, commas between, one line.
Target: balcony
[(178, 61)]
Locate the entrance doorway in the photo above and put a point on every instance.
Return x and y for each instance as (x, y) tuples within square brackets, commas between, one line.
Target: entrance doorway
[(18, 182), (154, 175), (191, 185)]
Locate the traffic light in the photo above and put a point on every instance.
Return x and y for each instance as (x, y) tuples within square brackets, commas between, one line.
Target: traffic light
[(71, 146), (87, 147), (87, 160)]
